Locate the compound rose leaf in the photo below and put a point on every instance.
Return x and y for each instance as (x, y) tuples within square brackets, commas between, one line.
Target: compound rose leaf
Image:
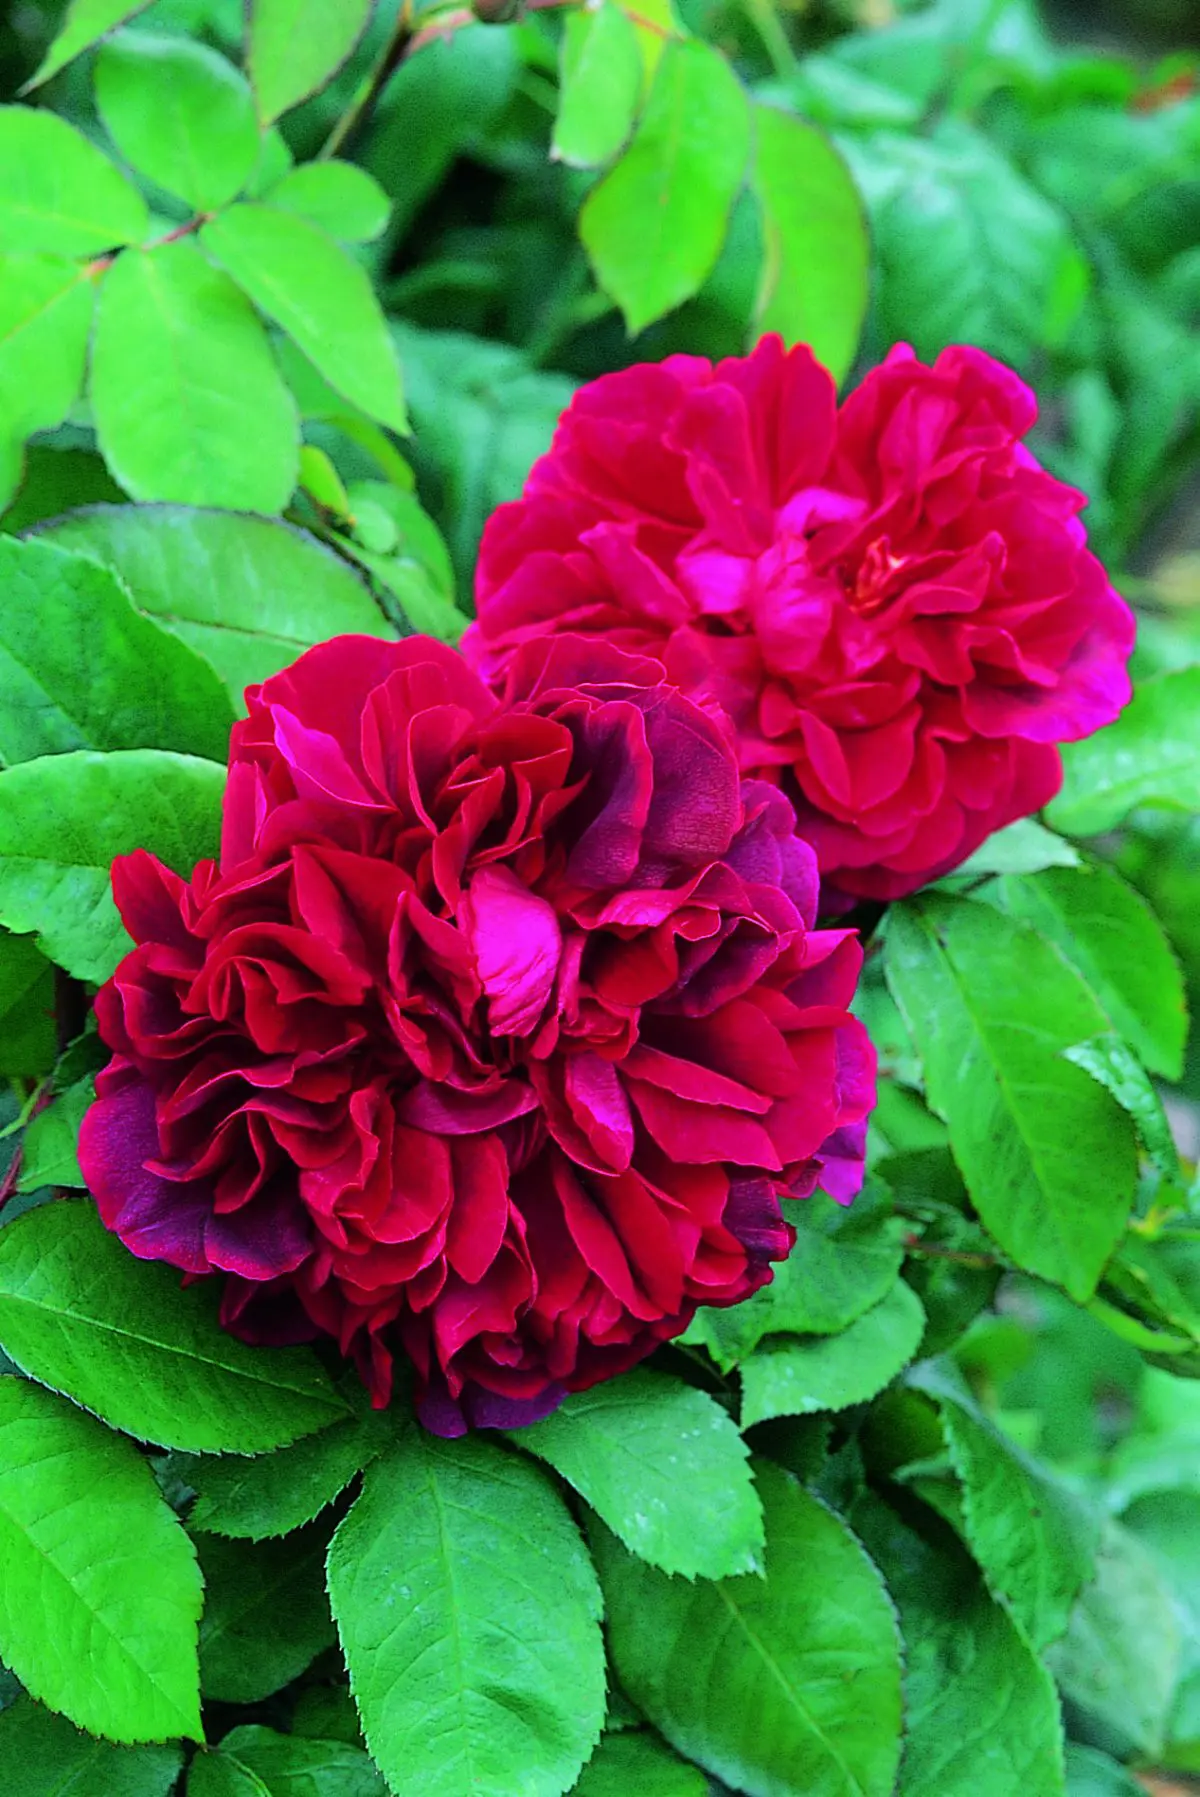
[(101, 1594), (297, 45), (791, 1377), (981, 1712), (664, 1466), (188, 402), (1047, 1155), (44, 1755), (470, 1620), (806, 1661), (250, 593), (1034, 1539), (63, 820), (179, 113), (654, 226), (58, 192), (79, 1313), (317, 293), (1110, 935), (266, 1615), (81, 668)]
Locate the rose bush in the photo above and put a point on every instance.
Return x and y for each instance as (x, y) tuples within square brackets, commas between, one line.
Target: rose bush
[(494, 1038), (892, 599)]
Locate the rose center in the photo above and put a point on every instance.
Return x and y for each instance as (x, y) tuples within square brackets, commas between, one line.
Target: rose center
[(878, 579)]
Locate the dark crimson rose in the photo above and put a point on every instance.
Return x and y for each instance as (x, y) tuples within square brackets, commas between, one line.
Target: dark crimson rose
[(494, 1038), (892, 600)]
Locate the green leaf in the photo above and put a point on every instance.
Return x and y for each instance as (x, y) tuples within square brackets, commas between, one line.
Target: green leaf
[(787, 1686), (790, 1377), (28, 1039), (654, 225), (188, 401), (1109, 933), (297, 45), (85, 22), (1034, 1540), (63, 821), (48, 1149), (180, 114), (1047, 1155), (469, 1617), (664, 1466), (338, 197), (625, 1764), (290, 1766), (57, 478), (45, 318), (967, 251), (600, 84), (218, 1774), (1117, 1068), (483, 417), (101, 1592), (816, 257), (1150, 756), (1025, 847), (58, 192), (266, 1615), (272, 1494), (43, 1755), (1092, 1774), (327, 1713), (80, 668), (1118, 1660), (319, 295), (981, 1714), (249, 593), (845, 1260), (81, 1314)]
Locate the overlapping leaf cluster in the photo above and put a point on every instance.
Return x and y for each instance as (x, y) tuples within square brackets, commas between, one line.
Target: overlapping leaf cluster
[(920, 1517)]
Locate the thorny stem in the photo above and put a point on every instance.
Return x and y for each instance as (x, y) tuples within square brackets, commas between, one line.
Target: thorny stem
[(8, 1184), (187, 229), (915, 1245), (401, 39)]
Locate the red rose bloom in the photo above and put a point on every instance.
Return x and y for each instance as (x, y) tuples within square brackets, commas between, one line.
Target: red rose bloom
[(892, 600), (495, 1036)]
